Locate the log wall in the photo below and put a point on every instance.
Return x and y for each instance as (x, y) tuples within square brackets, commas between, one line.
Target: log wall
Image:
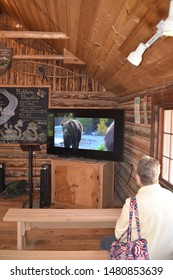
[(80, 92), (15, 160), (137, 144)]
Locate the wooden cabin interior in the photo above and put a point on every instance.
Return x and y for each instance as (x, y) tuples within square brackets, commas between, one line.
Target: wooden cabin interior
[(79, 50)]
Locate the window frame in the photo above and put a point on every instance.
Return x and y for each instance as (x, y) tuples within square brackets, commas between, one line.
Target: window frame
[(163, 100)]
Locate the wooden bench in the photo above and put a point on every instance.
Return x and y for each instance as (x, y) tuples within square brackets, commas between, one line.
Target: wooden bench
[(53, 255), (28, 219)]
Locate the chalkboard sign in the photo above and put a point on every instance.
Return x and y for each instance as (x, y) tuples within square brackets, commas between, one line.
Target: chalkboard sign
[(23, 114)]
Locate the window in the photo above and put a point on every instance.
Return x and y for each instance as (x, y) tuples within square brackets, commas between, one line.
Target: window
[(167, 147), (162, 134)]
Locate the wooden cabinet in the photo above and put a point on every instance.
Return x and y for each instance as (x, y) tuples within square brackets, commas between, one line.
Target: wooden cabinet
[(83, 182)]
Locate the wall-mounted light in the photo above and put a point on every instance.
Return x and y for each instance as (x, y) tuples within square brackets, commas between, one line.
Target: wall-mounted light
[(164, 28)]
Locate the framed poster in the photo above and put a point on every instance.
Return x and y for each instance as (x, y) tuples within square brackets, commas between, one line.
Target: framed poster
[(23, 114)]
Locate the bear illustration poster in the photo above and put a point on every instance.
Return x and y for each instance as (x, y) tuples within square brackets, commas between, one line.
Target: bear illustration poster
[(23, 114)]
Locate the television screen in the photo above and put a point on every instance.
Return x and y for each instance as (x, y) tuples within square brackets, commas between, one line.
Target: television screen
[(96, 133)]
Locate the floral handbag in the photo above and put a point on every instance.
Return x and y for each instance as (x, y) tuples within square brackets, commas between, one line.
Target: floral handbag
[(130, 250)]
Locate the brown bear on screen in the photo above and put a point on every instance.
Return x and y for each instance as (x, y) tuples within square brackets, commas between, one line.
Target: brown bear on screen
[(109, 138), (72, 133)]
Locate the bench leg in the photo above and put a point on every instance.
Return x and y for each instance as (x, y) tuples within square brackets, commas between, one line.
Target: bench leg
[(21, 229), (28, 226)]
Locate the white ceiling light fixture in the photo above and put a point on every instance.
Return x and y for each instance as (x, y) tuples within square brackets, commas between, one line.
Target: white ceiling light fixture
[(168, 24), (164, 28), (136, 56)]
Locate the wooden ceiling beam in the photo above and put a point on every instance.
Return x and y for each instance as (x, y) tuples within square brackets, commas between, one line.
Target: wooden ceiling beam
[(67, 58), (33, 35), (49, 57)]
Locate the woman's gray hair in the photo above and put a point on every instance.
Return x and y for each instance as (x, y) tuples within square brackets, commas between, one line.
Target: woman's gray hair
[(148, 170)]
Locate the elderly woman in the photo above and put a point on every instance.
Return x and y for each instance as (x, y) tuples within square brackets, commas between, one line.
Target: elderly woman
[(155, 207)]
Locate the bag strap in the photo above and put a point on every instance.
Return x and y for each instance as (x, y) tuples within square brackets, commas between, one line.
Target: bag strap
[(133, 206)]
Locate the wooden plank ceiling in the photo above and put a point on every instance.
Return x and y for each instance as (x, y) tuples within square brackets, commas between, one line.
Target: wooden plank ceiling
[(102, 33)]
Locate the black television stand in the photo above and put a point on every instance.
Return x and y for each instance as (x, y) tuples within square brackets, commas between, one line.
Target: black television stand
[(30, 147)]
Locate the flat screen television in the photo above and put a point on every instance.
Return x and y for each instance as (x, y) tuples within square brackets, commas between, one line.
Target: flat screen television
[(86, 133)]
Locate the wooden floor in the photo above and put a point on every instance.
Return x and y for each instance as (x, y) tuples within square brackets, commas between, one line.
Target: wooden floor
[(68, 239)]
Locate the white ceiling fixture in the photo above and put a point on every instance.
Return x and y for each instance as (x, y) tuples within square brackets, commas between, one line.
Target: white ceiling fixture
[(164, 28), (168, 23)]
